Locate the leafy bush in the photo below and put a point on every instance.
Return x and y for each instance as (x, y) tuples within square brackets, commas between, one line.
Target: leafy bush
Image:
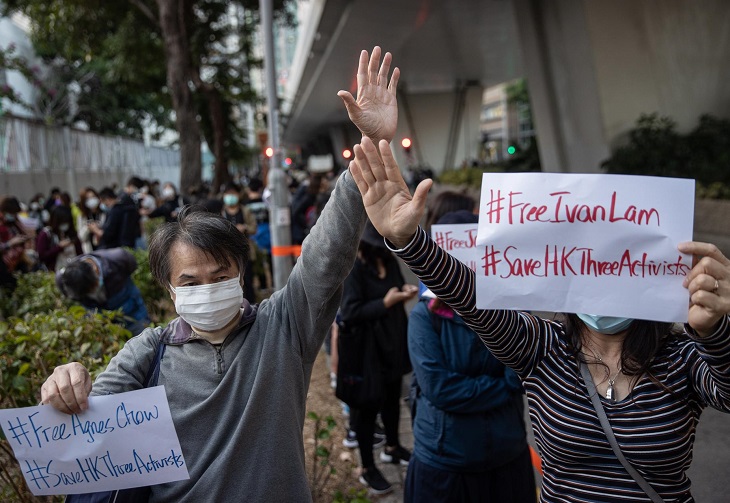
[(655, 148), (31, 346), (470, 177), (36, 292), (156, 298)]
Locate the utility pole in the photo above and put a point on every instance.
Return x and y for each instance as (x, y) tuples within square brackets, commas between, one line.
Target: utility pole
[(280, 213)]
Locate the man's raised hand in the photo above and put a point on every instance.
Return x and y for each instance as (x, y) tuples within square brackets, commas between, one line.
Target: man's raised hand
[(375, 112)]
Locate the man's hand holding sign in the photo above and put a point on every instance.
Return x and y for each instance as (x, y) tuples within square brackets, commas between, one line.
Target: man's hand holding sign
[(612, 245), (119, 441)]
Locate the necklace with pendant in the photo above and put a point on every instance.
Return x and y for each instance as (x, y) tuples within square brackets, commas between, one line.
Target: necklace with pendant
[(611, 382), (609, 390)]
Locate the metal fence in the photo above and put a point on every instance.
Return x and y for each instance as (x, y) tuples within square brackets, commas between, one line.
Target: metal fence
[(35, 157)]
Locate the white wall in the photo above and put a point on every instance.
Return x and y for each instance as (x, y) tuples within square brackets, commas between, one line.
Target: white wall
[(594, 67)]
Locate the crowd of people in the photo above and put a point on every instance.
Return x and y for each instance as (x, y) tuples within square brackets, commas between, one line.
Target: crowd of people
[(247, 366), (50, 231)]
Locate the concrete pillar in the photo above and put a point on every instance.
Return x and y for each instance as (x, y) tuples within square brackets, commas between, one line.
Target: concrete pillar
[(431, 115), (565, 104), (594, 67)]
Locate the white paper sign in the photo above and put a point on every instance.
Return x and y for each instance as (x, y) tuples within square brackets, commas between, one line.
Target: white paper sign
[(597, 244), (460, 241), (121, 441)]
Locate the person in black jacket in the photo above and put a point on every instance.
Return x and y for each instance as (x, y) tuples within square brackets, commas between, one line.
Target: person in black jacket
[(372, 303), (121, 226)]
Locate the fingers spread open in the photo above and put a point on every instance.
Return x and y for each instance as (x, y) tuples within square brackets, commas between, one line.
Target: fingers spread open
[(373, 66), (391, 169), (420, 195), (376, 164), (384, 70), (357, 176), (393, 86), (349, 100), (362, 70), (363, 164)]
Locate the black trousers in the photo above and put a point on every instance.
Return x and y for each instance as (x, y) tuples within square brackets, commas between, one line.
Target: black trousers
[(513, 482), (363, 422)]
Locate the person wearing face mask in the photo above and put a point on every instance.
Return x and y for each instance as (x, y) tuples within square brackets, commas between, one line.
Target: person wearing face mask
[(18, 253), (652, 379), (57, 243), (237, 375), (35, 211), (172, 203), (90, 212), (103, 280), (245, 221), (121, 222)]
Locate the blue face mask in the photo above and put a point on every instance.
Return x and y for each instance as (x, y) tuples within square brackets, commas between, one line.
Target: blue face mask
[(230, 199), (605, 324)]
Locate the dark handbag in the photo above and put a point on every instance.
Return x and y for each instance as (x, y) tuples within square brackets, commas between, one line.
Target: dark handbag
[(360, 375), (132, 494)]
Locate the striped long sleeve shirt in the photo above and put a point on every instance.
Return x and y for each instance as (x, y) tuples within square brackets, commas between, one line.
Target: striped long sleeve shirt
[(655, 425)]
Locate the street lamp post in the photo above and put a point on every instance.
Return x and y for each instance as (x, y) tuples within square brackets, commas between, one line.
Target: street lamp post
[(280, 220)]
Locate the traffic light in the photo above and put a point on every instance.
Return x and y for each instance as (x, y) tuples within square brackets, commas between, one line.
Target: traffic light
[(269, 152), (347, 153), (406, 144), (511, 150)]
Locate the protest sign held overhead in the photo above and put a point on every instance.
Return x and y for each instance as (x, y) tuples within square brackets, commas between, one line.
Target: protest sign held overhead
[(572, 243)]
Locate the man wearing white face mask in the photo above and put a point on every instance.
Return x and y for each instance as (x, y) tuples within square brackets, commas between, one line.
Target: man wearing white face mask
[(236, 375)]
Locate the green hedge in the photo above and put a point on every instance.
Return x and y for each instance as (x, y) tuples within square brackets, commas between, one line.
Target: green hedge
[(31, 346), (655, 148), (41, 329)]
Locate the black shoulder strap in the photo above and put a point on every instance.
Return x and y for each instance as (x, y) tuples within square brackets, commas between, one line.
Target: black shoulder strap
[(153, 374), (596, 400)]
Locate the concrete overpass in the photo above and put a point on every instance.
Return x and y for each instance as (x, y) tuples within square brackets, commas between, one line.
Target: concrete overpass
[(592, 67)]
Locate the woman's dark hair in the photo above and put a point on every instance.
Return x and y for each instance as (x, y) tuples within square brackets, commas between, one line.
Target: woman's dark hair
[(10, 205), (65, 199), (78, 279), (370, 254), (60, 215), (642, 343), (208, 232), (446, 202)]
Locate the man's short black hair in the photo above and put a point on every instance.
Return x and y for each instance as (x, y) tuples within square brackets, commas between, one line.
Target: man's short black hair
[(208, 232), (107, 193), (136, 181), (255, 184), (232, 187), (78, 279)]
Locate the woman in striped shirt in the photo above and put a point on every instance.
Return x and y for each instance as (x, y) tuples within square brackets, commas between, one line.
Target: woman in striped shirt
[(654, 381)]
